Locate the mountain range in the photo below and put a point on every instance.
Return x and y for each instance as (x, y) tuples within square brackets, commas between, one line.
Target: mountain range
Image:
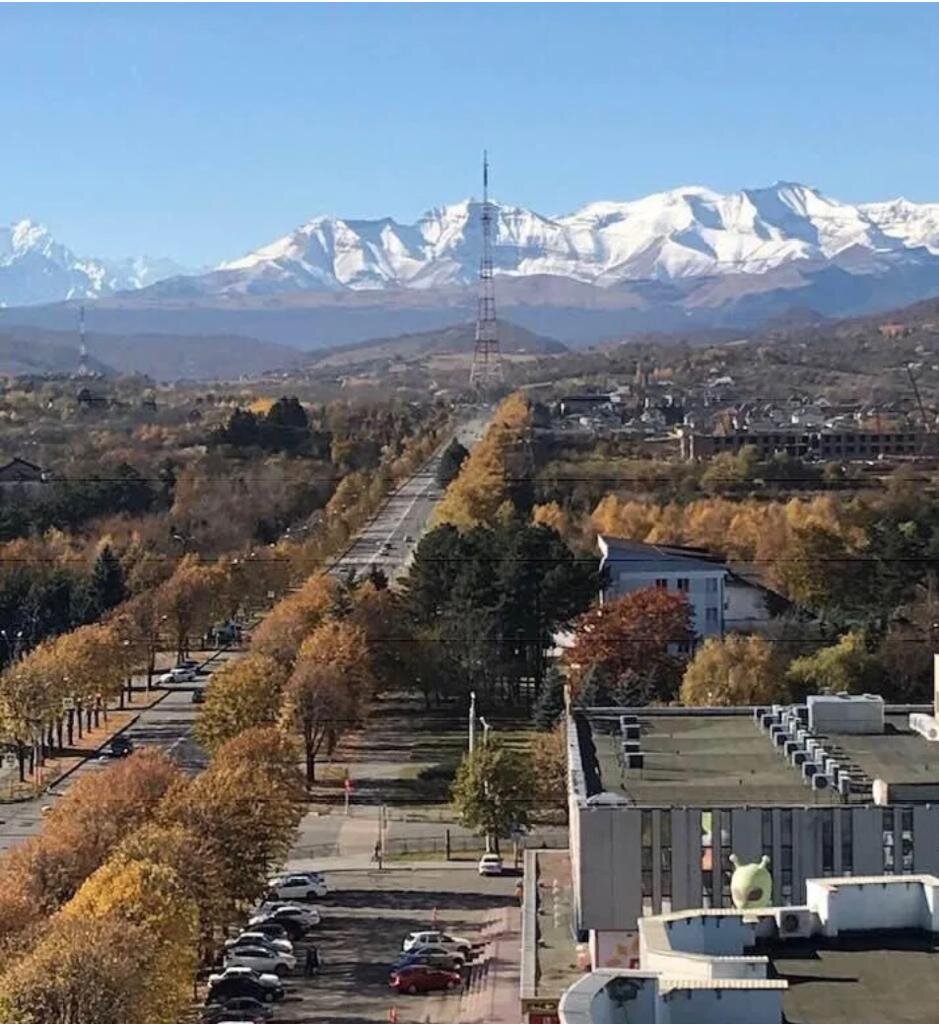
[(35, 268), (686, 258)]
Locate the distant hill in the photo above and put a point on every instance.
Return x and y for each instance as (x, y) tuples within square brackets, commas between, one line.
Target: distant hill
[(25, 350), (460, 338)]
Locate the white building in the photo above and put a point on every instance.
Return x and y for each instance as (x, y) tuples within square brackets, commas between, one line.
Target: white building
[(860, 949), (721, 600)]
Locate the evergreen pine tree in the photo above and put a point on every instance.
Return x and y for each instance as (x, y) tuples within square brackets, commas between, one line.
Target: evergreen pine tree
[(550, 704)]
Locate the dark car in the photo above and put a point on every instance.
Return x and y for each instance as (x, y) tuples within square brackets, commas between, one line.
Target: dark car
[(198, 696), (278, 929), (240, 1008), (238, 988), (421, 978), (121, 746)]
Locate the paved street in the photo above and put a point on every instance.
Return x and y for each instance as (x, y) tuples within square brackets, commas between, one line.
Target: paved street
[(167, 724), (388, 540)]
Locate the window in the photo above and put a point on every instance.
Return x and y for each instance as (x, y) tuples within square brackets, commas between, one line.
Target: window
[(786, 854), (711, 586), (662, 583), (828, 843), (887, 832), (847, 843), (683, 583), (710, 616)]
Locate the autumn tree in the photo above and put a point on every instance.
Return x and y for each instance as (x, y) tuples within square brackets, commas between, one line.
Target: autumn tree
[(494, 791), (84, 826), (243, 693), (844, 667), (328, 688), (734, 670), (148, 896), (190, 600), (245, 807), (634, 639), (290, 621), (549, 765), (81, 972)]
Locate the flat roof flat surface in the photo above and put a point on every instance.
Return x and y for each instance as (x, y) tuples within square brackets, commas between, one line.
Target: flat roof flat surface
[(898, 755), (555, 951), (700, 760), (876, 978)]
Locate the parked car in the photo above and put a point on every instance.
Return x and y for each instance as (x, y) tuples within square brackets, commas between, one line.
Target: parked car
[(442, 961), (278, 910), (432, 948), (420, 978), (287, 927), (188, 663), (451, 943), (240, 1008), (263, 959), (490, 864), (271, 983), (120, 746), (239, 988), (258, 938), (298, 886)]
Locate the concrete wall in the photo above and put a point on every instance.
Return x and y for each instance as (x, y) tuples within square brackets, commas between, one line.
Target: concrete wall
[(623, 580), (843, 905), (745, 606), (606, 853), (707, 1006)]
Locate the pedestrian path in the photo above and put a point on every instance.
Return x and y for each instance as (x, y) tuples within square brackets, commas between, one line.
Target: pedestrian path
[(491, 994)]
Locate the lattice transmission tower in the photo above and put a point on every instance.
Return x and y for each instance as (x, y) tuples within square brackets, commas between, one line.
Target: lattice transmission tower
[(486, 371), (83, 368)]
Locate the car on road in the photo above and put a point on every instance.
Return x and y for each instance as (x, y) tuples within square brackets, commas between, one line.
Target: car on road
[(298, 886), (240, 1008), (450, 943), (421, 978), (490, 864), (120, 746), (270, 983), (263, 959), (177, 675), (280, 910), (258, 938)]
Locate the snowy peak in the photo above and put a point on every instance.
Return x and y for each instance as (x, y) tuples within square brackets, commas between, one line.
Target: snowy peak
[(687, 232), (35, 268)]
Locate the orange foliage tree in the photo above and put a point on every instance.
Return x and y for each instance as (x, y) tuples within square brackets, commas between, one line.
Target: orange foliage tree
[(632, 641)]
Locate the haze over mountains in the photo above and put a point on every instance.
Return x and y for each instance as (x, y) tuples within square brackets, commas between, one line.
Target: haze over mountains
[(690, 257)]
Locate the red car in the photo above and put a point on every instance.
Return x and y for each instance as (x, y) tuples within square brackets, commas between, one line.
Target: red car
[(422, 978)]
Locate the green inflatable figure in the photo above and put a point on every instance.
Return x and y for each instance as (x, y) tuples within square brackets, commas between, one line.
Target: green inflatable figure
[(751, 885)]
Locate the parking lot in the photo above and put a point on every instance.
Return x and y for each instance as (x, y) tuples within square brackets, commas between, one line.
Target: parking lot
[(365, 919)]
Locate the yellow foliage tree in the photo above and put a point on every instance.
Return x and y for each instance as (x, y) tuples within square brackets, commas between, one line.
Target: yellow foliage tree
[(737, 670), (241, 694)]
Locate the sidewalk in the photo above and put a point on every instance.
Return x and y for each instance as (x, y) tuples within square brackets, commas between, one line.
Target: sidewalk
[(492, 994)]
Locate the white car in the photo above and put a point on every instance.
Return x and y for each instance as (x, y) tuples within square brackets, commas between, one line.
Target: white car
[(298, 886), (490, 864), (277, 910), (450, 943), (262, 959), (249, 938), (270, 981), (177, 675)]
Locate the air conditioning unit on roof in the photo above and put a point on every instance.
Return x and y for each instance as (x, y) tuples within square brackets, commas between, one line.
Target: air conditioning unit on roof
[(795, 922)]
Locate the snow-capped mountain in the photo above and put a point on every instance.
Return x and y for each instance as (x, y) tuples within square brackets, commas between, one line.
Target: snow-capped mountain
[(685, 233), (35, 268)]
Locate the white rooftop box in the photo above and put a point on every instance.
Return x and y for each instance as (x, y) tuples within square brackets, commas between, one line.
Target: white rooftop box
[(846, 713)]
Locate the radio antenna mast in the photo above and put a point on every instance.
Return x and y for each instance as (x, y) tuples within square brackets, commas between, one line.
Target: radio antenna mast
[(486, 370)]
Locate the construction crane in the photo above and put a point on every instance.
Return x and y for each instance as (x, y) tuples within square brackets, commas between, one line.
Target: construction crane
[(919, 398)]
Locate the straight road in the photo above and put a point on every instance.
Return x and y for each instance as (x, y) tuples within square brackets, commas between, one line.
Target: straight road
[(169, 723), (166, 724), (388, 540)]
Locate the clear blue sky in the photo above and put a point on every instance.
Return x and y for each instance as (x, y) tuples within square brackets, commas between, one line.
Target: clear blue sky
[(200, 132)]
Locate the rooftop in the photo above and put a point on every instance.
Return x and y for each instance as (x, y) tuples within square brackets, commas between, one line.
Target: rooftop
[(898, 755), (697, 760), (549, 952), (874, 976)]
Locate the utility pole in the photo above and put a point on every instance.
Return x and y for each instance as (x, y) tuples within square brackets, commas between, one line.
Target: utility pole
[(486, 371), (472, 721)]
